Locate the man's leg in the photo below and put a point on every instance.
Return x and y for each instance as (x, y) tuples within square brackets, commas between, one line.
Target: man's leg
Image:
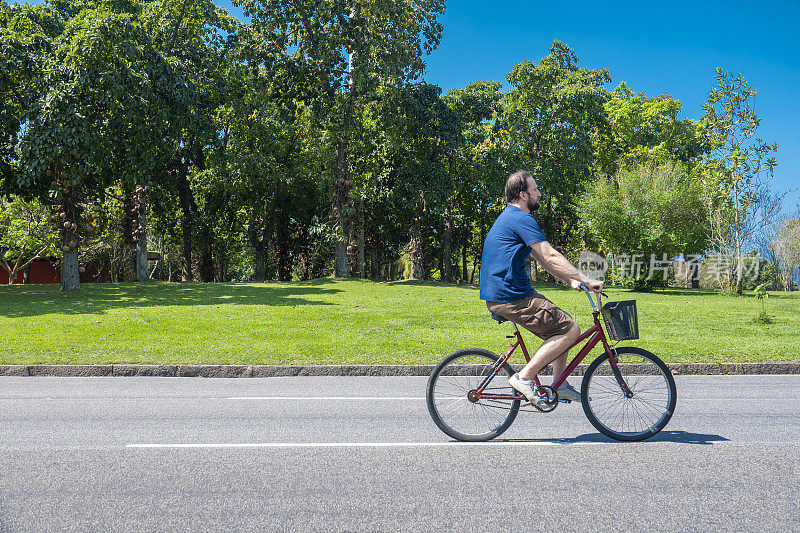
[(553, 350), (559, 364), (540, 316)]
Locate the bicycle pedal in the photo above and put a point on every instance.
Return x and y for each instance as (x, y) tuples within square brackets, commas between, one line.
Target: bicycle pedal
[(565, 401)]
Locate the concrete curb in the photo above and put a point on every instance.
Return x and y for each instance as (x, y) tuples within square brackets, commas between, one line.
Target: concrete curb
[(265, 371)]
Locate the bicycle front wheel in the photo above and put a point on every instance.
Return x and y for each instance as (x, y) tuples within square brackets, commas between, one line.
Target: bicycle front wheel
[(637, 416), (450, 403)]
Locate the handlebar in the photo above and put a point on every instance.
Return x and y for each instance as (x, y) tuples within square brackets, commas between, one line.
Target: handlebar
[(591, 301)]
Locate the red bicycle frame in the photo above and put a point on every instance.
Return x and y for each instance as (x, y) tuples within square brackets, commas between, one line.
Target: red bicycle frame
[(595, 334)]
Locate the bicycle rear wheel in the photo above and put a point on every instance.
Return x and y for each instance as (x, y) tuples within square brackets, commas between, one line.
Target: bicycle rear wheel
[(448, 396), (640, 416)]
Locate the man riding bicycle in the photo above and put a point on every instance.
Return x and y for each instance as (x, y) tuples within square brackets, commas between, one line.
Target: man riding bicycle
[(507, 290)]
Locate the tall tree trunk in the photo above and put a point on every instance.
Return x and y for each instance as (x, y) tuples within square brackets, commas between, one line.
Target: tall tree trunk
[(206, 264), (532, 269), (375, 257), (361, 259), (341, 211), (260, 264), (187, 205), (342, 184), (416, 249), (282, 259), (464, 258), (374, 266), (474, 266), (142, 264), (478, 255), (259, 234), (221, 270), (70, 277), (447, 240)]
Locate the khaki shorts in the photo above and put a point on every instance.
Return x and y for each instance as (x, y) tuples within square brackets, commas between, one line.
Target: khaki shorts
[(535, 313)]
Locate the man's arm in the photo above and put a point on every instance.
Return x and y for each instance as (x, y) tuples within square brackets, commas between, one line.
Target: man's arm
[(555, 263)]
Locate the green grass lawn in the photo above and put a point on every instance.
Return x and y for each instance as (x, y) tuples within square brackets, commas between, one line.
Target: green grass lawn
[(330, 321)]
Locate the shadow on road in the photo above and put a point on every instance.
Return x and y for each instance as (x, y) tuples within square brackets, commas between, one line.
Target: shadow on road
[(682, 437)]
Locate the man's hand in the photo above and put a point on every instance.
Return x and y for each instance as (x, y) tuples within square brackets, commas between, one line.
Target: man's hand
[(592, 284)]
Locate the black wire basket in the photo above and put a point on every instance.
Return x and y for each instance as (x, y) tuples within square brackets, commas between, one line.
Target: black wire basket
[(621, 320)]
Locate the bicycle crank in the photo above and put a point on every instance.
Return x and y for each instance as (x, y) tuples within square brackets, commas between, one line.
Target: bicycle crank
[(550, 396)]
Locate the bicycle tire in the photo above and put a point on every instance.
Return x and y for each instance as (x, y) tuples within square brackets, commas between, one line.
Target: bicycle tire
[(629, 419), (450, 407)]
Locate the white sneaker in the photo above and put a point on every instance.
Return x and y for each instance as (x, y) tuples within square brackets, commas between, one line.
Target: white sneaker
[(525, 387), (567, 393)]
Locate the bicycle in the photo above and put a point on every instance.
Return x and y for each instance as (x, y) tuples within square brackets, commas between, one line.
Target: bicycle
[(627, 393)]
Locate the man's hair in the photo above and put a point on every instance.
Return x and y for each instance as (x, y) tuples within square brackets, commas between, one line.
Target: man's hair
[(516, 184)]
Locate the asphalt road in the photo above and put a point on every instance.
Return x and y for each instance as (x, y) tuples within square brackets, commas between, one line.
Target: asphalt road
[(361, 454)]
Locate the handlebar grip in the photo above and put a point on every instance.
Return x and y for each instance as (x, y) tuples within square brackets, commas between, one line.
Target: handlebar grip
[(585, 288)]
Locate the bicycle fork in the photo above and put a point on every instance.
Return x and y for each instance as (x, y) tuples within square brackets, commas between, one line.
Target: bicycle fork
[(613, 361)]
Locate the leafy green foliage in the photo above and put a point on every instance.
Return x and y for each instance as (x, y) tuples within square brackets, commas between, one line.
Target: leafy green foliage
[(479, 166), (551, 114), (653, 209), (350, 52), (644, 129), (97, 89), (101, 91), (269, 149)]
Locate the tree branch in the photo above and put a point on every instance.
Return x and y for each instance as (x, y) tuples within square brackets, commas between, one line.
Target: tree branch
[(177, 26)]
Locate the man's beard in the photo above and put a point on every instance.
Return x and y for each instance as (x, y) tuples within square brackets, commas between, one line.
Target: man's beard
[(533, 205)]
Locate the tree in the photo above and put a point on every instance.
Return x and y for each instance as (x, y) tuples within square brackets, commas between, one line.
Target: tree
[(551, 114), (642, 129), (654, 211), (479, 166), (24, 33), (272, 155), (414, 132), (198, 39), (349, 49), (94, 118), (766, 239), (26, 234), (737, 169), (788, 251)]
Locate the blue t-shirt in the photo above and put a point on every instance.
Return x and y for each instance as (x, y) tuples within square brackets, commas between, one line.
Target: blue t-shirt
[(503, 276)]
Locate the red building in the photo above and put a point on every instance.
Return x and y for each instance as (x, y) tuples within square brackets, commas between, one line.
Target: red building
[(49, 271)]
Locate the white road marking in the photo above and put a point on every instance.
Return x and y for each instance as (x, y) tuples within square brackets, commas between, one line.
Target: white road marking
[(323, 398), (349, 444)]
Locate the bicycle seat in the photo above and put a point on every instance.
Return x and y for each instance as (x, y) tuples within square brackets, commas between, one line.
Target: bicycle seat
[(499, 319)]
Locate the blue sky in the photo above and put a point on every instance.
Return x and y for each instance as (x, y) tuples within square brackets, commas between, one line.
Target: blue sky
[(657, 48)]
